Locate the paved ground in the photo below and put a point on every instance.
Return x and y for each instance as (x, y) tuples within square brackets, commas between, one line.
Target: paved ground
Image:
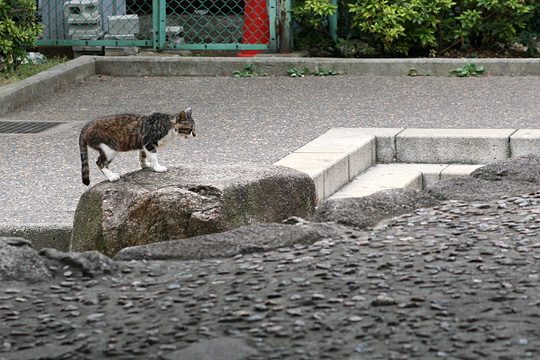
[(459, 281), (254, 119)]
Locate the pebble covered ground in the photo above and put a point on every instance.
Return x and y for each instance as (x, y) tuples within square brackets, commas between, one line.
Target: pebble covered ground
[(457, 281)]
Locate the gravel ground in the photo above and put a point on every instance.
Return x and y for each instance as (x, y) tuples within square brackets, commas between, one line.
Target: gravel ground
[(457, 281), (257, 120)]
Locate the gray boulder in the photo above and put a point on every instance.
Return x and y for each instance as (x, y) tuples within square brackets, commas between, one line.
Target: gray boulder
[(366, 212), (146, 207), (476, 189), (19, 262), (243, 240), (523, 169), (88, 263), (516, 176)]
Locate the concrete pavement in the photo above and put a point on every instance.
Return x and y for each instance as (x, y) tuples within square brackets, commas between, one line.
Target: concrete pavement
[(258, 120)]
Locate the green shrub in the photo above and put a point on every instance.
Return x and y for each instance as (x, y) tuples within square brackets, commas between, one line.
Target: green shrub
[(311, 23), (313, 12), (397, 27), (19, 28), (481, 23), (421, 27)]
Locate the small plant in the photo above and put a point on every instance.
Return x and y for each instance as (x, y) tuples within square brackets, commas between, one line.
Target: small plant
[(27, 69), (319, 71), (248, 71), (468, 70), (294, 72), (413, 72)]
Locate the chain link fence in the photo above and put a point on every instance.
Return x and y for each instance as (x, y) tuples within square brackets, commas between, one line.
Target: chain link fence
[(161, 24)]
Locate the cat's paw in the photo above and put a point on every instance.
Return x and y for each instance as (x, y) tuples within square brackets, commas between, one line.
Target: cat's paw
[(113, 177), (145, 165), (160, 168)]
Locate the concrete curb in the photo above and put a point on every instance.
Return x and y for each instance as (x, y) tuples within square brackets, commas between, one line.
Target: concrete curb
[(45, 83), (427, 155), (225, 66), (42, 235), (50, 81)]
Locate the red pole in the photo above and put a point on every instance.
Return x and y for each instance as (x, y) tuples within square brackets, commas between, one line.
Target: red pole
[(256, 26)]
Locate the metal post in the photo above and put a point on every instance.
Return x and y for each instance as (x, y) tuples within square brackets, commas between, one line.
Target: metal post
[(155, 24), (332, 22), (272, 21), (285, 28), (158, 24), (162, 24)]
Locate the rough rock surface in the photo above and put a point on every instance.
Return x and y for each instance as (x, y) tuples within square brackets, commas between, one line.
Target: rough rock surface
[(458, 281), (146, 207), (243, 240), (522, 169), (366, 212), (88, 263), (478, 189), (18, 261)]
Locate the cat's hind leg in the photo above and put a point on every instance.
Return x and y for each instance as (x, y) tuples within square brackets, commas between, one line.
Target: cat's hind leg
[(151, 156), (106, 155), (142, 159)]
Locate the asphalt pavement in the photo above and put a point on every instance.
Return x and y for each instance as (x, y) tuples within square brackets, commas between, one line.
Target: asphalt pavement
[(256, 120)]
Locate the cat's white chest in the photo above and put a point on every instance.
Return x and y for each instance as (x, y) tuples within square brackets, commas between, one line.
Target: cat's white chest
[(167, 138)]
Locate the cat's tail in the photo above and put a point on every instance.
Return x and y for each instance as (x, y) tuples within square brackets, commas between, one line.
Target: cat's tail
[(85, 170)]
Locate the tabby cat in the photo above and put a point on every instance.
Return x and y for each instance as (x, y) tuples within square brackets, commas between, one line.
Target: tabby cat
[(123, 132)]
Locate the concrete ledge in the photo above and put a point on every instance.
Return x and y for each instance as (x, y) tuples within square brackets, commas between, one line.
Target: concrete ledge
[(333, 159), (385, 146), (466, 146), (419, 157), (41, 235), (524, 142), (224, 66), (329, 171), (45, 83), (382, 177)]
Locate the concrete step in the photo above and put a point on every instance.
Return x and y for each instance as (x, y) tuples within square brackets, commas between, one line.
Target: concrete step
[(334, 159), (391, 176), (381, 177)]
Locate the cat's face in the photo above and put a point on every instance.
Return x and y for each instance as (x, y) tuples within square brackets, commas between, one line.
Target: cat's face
[(184, 124)]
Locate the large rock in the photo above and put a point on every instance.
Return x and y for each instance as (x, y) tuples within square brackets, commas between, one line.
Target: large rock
[(245, 239), (88, 263), (146, 207), (368, 211), (516, 176), (474, 189), (19, 262), (523, 169)]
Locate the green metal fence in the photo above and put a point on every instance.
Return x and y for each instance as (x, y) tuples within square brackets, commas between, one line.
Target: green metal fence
[(160, 24)]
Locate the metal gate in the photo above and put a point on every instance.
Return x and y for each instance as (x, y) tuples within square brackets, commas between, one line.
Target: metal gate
[(160, 24)]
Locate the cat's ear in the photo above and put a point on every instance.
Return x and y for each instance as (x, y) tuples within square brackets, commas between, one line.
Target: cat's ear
[(188, 113)]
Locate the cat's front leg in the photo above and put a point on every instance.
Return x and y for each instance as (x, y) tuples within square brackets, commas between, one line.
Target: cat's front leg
[(154, 164), (142, 159)]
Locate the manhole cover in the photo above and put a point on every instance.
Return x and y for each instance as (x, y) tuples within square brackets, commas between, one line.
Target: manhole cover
[(25, 127)]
